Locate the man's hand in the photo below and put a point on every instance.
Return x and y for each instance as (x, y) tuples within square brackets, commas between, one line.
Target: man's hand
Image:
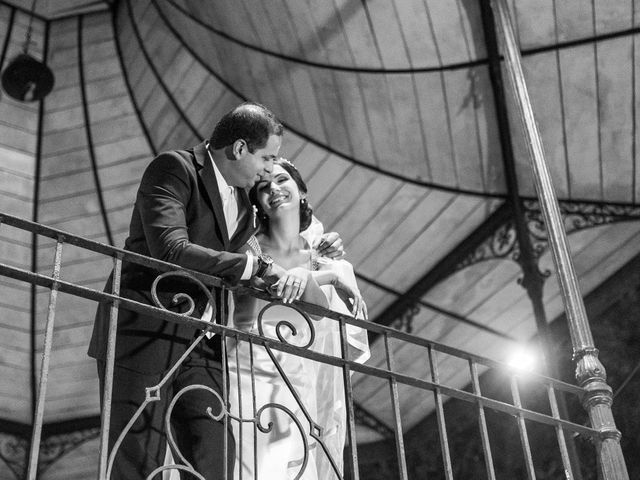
[(330, 246), (273, 274)]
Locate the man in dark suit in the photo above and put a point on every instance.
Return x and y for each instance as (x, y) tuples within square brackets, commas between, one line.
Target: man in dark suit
[(191, 209)]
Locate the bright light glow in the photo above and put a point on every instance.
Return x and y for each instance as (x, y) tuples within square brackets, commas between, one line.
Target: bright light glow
[(523, 358)]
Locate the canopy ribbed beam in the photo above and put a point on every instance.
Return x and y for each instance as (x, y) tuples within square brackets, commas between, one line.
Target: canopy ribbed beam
[(87, 129)]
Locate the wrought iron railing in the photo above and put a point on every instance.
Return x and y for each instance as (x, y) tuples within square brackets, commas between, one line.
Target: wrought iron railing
[(310, 431)]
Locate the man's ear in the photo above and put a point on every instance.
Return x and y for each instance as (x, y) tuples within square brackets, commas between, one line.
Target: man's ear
[(238, 149)]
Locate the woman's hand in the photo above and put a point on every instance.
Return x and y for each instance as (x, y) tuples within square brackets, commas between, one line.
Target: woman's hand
[(349, 293), (291, 285), (331, 246)]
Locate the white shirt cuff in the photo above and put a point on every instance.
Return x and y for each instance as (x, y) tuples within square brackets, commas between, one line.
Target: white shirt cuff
[(248, 268)]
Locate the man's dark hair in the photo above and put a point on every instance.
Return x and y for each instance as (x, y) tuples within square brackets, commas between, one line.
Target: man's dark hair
[(249, 121)]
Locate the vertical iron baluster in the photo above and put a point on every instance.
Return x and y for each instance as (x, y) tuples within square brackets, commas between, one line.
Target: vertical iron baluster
[(522, 429), (224, 312), (44, 370), (562, 443), (348, 394), (484, 432), (239, 443), (105, 421), (255, 409), (393, 387), (442, 427)]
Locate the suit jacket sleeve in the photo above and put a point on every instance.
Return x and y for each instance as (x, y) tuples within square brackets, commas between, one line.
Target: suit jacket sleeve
[(166, 189)]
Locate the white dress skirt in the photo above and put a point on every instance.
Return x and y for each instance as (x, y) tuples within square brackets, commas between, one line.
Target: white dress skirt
[(293, 409)]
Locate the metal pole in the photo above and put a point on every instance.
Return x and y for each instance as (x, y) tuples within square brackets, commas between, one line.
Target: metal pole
[(32, 471), (533, 279), (590, 373), (105, 417)]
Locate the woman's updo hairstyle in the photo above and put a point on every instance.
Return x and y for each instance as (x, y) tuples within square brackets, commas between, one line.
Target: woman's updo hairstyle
[(306, 212)]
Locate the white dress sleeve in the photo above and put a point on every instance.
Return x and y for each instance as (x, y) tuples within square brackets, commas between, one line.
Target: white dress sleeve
[(357, 337)]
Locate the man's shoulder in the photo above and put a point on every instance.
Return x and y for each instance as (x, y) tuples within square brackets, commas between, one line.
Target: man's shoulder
[(177, 154), (170, 164), (171, 159)]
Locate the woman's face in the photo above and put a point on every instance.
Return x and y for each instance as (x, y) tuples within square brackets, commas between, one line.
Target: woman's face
[(278, 192)]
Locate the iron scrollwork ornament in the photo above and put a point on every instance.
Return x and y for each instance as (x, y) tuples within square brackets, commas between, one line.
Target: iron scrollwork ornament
[(180, 296), (404, 322), (153, 394), (503, 244), (581, 215), (13, 451), (185, 466), (315, 431), (284, 331), (56, 446)]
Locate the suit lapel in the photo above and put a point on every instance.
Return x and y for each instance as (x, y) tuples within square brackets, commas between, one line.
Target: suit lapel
[(208, 176), (247, 226)]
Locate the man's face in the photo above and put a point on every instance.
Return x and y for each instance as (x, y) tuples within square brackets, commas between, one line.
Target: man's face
[(251, 167)]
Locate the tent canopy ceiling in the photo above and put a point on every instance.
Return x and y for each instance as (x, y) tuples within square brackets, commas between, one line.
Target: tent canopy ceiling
[(391, 115)]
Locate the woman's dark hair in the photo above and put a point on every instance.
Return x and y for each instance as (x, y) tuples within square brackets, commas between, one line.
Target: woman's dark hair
[(249, 121), (306, 212)]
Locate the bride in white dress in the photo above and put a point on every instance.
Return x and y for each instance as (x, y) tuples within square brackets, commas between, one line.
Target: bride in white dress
[(291, 405)]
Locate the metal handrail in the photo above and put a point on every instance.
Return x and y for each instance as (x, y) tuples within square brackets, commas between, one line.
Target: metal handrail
[(389, 373), (209, 280)]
